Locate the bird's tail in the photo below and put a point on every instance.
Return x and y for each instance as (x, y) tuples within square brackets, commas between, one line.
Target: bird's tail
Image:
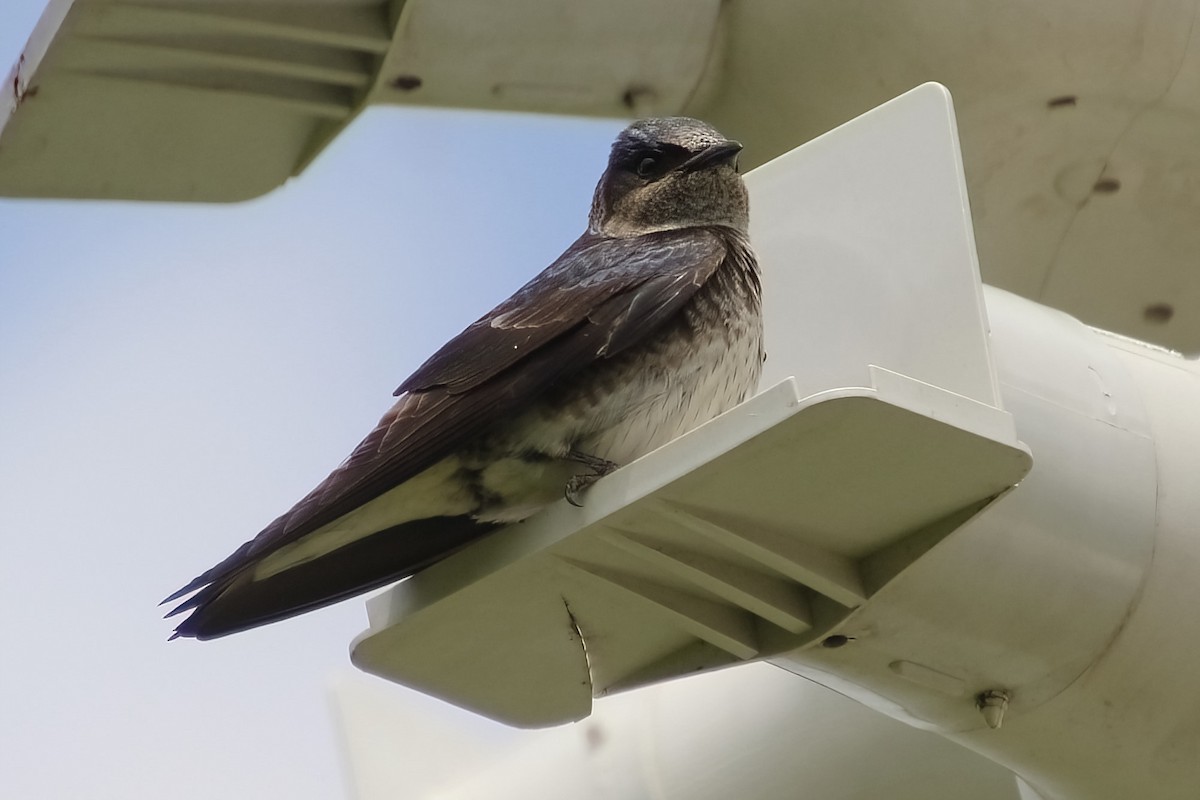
[(240, 601)]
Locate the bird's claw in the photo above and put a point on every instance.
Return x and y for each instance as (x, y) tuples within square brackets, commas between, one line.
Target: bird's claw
[(599, 468), (572, 490), (577, 484)]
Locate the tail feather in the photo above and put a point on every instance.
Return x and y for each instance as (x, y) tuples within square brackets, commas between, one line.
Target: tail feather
[(207, 577), (237, 602)]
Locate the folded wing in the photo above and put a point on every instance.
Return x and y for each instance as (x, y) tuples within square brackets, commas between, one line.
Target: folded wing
[(599, 298)]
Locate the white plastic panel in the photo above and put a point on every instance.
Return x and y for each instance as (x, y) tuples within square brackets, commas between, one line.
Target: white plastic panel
[(751, 535), (868, 254), (215, 100), (183, 99), (617, 58)]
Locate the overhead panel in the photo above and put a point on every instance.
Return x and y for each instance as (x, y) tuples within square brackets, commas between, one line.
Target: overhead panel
[(618, 58), (193, 101), (222, 101), (1081, 131)]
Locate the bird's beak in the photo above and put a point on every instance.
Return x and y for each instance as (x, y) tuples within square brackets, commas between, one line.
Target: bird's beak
[(713, 154)]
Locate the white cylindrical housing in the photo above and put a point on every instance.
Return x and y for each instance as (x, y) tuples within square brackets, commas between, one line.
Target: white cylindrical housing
[(751, 732), (1072, 597)]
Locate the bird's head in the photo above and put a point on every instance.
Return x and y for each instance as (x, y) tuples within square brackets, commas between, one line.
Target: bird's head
[(668, 173)]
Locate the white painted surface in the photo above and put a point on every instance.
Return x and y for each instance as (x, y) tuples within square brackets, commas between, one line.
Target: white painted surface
[(752, 732), (868, 256)]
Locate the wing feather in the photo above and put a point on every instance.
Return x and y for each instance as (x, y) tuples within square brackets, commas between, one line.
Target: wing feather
[(592, 271)]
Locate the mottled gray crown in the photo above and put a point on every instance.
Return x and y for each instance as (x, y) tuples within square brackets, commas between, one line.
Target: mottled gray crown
[(690, 134)]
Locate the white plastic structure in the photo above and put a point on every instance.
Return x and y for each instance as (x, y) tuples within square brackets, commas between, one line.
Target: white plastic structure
[(735, 543), (753, 732), (854, 525)]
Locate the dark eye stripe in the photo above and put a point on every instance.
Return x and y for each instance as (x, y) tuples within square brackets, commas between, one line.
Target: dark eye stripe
[(652, 163)]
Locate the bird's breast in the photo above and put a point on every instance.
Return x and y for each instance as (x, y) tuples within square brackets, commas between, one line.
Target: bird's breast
[(700, 364), (704, 363)]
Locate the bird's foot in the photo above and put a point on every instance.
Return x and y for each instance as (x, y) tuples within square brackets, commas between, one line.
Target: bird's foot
[(599, 467)]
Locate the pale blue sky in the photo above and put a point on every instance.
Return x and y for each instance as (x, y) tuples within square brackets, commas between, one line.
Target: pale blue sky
[(173, 377)]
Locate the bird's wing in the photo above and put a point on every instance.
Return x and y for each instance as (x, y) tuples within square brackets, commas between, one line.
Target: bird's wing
[(600, 297), (652, 274)]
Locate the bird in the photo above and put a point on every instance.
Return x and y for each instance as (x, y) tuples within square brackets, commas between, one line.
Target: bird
[(647, 326)]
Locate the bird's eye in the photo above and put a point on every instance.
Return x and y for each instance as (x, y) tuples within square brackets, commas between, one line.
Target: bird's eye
[(647, 167)]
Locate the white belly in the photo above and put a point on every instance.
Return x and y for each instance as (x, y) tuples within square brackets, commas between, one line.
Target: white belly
[(661, 402)]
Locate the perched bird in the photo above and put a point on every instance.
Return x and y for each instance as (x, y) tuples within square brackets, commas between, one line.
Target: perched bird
[(647, 326)]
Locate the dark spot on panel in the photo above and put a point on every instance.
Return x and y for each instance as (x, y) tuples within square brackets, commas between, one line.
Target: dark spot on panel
[(1106, 186), (835, 641), (1158, 313), (406, 83), (1063, 101), (635, 95), (594, 736)]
